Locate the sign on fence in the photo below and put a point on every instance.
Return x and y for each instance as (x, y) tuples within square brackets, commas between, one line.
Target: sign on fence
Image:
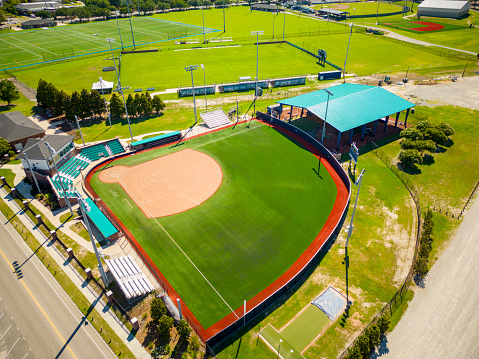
[(354, 152)]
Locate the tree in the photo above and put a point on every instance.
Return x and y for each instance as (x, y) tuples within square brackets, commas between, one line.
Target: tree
[(62, 12), (157, 104), (43, 14), (8, 91), (354, 353), (146, 6), (10, 9), (146, 102), (62, 101), (363, 344), (446, 128), (410, 157), (420, 266), (4, 147), (131, 105), (84, 104), (116, 106), (75, 105), (383, 324), (183, 329), (412, 133), (50, 95), (435, 134), (374, 335), (421, 145), (2, 18), (157, 309), (163, 6), (97, 105), (164, 327)]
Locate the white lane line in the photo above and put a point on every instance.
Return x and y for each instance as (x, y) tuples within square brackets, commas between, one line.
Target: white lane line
[(1, 315), (21, 48), (5, 332), (32, 45), (25, 355), (61, 299), (127, 202), (11, 348)]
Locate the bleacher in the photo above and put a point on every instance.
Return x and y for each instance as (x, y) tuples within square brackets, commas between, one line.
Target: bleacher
[(130, 278), (156, 140), (96, 152), (215, 118), (101, 222)]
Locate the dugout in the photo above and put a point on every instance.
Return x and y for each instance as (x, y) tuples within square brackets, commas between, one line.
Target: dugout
[(156, 141), (334, 14), (350, 108)]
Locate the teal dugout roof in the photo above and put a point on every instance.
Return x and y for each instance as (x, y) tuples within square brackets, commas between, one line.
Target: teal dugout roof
[(351, 105), (100, 221), (159, 137)]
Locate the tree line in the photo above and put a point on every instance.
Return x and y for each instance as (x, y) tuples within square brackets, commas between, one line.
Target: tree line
[(367, 342), (425, 246), (85, 104)]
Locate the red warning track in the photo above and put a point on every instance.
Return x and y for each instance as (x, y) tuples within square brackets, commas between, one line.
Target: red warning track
[(308, 255)]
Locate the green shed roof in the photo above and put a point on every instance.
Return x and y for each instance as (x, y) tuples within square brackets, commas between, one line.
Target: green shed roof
[(100, 221), (351, 105)]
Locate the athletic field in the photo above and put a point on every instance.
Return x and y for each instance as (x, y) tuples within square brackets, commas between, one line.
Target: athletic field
[(28, 47), (269, 208)]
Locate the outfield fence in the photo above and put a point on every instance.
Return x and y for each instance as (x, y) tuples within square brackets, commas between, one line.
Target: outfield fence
[(397, 299)]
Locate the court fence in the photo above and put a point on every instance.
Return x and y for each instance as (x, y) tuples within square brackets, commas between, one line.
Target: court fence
[(397, 299)]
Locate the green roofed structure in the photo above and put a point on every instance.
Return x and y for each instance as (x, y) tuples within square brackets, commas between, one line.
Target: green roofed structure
[(351, 106), (101, 222)]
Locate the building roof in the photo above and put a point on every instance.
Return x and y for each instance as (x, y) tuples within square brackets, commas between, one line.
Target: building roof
[(351, 105), (36, 22), (332, 11), (265, 6), (100, 221), (443, 4), (37, 150), (38, 5), (15, 125), (105, 85)]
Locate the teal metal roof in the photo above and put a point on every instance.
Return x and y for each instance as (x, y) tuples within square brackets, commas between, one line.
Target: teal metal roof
[(100, 221), (351, 105), (159, 137)]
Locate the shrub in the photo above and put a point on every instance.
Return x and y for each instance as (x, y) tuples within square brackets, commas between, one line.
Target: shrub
[(157, 309), (383, 324), (435, 134), (184, 330), (412, 133), (39, 196), (410, 157), (194, 343), (446, 128), (11, 154), (34, 192), (164, 327)]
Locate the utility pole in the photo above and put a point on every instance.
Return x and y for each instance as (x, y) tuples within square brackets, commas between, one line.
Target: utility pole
[(79, 129), (257, 33), (131, 26), (60, 180), (191, 69)]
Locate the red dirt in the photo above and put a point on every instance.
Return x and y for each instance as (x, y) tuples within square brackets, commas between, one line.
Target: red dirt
[(430, 26), (329, 227), (169, 184)]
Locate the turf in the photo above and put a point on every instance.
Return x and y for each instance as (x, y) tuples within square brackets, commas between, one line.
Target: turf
[(279, 343), (268, 209), (29, 47), (364, 8), (412, 26), (222, 65), (305, 327)]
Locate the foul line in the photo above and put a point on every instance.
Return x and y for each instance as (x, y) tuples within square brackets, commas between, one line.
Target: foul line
[(146, 209), (40, 307)]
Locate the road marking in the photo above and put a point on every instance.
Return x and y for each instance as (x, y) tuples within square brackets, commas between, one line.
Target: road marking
[(40, 307), (5, 332), (11, 348)]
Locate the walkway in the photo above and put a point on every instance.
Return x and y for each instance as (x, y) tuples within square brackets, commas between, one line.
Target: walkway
[(442, 319)]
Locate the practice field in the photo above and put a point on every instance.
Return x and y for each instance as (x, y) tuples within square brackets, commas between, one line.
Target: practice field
[(28, 47), (270, 207), (420, 26), (222, 65)]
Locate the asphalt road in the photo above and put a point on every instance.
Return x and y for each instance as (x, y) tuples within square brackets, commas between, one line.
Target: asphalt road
[(442, 320), (37, 318)]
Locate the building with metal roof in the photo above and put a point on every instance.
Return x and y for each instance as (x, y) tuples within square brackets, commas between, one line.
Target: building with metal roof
[(347, 107), (25, 8), (444, 8), (266, 7), (332, 13), (17, 128), (37, 23)]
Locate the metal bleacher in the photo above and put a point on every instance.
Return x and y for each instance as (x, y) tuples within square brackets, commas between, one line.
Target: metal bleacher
[(94, 153), (130, 278), (215, 118)]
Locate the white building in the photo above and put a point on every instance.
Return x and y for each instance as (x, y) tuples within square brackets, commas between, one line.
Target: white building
[(444, 8)]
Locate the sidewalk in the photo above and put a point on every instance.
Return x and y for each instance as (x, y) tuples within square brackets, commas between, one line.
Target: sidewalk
[(101, 306)]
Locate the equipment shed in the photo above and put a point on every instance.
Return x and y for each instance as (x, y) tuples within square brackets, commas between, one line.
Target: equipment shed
[(444, 8)]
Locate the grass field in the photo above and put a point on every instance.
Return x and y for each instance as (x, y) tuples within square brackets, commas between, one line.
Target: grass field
[(279, 344), (248, 233), (222, 65), (363, 8), (305, 327), (29, 47), (417, 26)]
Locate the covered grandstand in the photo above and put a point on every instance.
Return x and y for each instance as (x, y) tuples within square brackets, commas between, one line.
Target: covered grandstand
[(349, 107)]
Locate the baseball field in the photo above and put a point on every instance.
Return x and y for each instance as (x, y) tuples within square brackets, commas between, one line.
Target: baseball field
[(259, 206)]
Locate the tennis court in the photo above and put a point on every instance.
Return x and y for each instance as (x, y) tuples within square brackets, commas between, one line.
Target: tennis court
[(29, 47)]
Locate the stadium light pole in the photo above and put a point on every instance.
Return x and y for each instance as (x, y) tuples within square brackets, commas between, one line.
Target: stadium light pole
[(31, 170), (204, 82), (119, 33), (84, 208), (284, 23), (191, 69), (257, 33), (377, 11), (120, 88), (347, 50), (49, 15), (203, 17), (326, 114), (274, 17), (138, 4), (224, 18), (52, 152), (79, 129), (104, 100), (131, 26)]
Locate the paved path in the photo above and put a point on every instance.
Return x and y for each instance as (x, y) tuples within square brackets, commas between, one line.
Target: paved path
[(37, 318), (442, 320)]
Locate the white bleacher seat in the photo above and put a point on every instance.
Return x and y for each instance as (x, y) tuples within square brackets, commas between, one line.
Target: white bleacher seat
[(215, 118)]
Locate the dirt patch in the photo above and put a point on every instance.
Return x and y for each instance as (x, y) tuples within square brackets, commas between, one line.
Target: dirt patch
[(170, 184)]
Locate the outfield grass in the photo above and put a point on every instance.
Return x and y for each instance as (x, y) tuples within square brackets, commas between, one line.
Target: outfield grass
[(265, 232), (222, 65), (416, 26), (23, 105), (363, 8), (305, 327)]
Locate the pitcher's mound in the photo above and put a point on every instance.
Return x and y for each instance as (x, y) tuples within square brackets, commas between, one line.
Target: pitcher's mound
[(170, 184)]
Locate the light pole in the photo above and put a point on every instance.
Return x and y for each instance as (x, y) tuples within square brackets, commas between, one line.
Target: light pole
[(131, 26), (279, 346), (84, 208), (326, 114), (52, 152), (79, 129), (203, 17), (104, 100), (347, 50), (119, 33), (257, 33), (31, 172), (274, 17), (49, 15), (377, 11), (224, 18), (284, 23), (138, 4), (191, 69), (120, 88), (204, 82)]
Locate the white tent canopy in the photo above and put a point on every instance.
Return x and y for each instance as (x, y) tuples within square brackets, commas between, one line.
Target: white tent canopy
[(107, 86)]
